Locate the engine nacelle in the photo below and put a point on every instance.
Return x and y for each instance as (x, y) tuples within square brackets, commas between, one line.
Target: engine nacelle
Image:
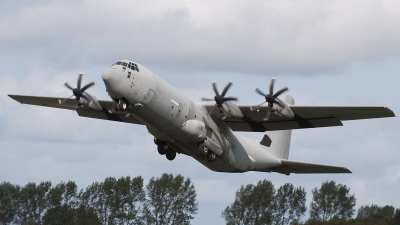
[(195, 130), (283, 110), (91, 102)]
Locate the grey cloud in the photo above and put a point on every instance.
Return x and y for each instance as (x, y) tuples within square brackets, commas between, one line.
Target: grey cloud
[(260, 37)]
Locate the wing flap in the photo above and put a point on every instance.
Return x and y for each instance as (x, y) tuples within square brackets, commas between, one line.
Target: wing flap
[(289, 166), (283, 125)]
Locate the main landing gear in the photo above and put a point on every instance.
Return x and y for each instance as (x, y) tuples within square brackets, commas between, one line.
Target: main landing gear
[(163, 149), (204, 151)]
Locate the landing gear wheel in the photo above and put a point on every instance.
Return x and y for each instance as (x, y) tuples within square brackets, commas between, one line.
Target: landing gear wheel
[(121, 106), (211, 156), (156, 141), (171, 155), (161, 149), (203, 150)]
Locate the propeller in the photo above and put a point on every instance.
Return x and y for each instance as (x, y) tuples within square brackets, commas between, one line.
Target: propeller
[(271, 98), (220, 98), (78, 92)]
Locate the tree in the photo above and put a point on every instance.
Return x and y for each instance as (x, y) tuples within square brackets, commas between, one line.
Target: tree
[(290, 204), (62, 201), (65, 214), (252, 205), (385, 213), (396, 217), (33, 202), (116, 201), (171, 200), (9, 195), (332, 200)]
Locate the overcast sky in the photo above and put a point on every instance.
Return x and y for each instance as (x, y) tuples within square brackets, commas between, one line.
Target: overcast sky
[(327, 52)]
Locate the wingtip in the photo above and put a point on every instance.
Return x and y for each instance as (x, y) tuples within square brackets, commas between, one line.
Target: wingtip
[(390, 111)]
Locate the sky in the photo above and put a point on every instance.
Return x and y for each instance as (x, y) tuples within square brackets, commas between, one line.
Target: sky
[(327, 53)]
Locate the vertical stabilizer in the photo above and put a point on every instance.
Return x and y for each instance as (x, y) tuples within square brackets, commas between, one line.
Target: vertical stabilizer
[(278, 142)]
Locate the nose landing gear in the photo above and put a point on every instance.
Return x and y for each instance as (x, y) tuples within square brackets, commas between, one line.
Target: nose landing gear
[(121, 105)]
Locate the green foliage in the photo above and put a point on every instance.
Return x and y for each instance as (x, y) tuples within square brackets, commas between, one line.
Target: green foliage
[(33, 202), (332, 200), (385, 213), (61, 215), (290, 204), (116, 201), (254, 204), (396, 217), (9, 195), (171, 200)]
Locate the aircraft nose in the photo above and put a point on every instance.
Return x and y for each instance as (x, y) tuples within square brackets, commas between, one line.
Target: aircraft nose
[(112, 79)]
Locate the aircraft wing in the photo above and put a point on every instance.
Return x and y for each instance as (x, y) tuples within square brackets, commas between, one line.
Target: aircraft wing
[(71, 105), (305, 117), (289, 166)]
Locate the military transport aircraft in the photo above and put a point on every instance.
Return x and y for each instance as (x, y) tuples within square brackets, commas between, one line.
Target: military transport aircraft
[(206, 132)]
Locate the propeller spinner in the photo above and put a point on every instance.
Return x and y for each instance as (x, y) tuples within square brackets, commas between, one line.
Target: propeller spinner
[(271, 98)]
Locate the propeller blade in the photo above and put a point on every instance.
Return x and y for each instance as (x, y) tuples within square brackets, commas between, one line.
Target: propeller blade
[(226, 89), (258, 106), (271, 86), (260, 92), (68, 86), (79, 80), (207, 99), (230, 99), (64, 100), (83, 96), (87, 86), (214, 85), (280, 92), (268, 114)]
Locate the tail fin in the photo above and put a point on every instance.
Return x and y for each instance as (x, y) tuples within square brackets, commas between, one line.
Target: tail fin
[(278, 142)]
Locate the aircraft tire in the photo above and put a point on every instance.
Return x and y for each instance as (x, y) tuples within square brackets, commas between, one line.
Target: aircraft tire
[(211, 156), (161, 149), (170, 155), (203, 150)]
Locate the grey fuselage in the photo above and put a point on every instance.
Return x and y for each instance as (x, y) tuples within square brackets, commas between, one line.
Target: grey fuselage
[(165, 111)]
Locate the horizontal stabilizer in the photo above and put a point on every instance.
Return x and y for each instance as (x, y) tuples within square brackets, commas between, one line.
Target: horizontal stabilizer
[(289, 166)]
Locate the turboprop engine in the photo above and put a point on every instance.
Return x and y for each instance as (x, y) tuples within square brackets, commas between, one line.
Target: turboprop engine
[(195, 130), (275, 105), (283, 109), (81, 97)]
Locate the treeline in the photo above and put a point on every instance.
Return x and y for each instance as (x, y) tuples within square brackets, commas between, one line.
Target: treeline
[(331, 204), (172, 200), (164, 200)]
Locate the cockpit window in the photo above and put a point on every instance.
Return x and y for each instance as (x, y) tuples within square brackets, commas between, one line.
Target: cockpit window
[(131, 65)]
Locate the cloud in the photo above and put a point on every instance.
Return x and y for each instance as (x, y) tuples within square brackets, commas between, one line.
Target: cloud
[(190, 44), (261, 37)]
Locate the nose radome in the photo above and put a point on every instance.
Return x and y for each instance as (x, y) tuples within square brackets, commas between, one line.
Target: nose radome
[(112, 79), (106, 75)]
